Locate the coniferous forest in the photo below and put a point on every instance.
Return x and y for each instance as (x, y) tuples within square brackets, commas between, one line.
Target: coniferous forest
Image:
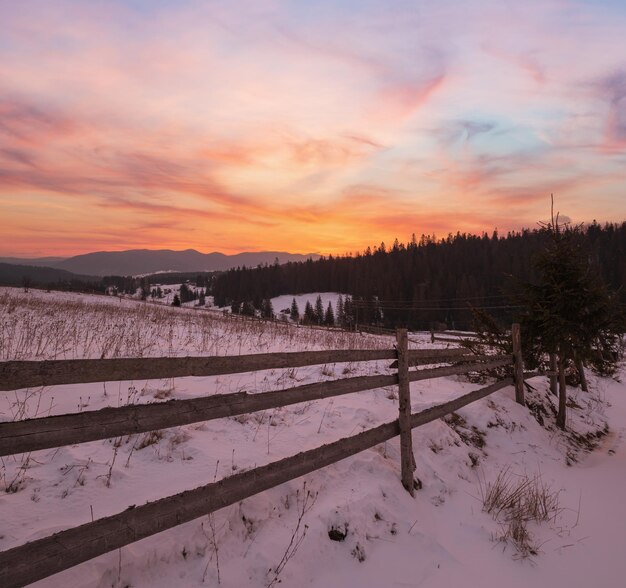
[(427, 281)]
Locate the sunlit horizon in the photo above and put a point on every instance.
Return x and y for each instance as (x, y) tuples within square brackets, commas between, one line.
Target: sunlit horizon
[(305, 127)]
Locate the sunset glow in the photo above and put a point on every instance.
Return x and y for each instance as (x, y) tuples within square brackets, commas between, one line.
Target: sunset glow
[(304, 126)]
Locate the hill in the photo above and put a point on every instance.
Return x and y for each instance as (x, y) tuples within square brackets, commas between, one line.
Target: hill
[(146, 261), (15, 275), (353, 515)]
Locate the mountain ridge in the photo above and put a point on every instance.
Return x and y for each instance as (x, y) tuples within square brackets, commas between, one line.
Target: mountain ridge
[(146, 261)]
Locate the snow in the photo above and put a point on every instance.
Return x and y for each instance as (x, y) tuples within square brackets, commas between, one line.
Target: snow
[(440, 538), (283, 302)]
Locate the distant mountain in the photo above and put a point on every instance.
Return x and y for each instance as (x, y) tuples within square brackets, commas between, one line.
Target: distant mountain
[(147, 261), (38, 261), (15, 275)]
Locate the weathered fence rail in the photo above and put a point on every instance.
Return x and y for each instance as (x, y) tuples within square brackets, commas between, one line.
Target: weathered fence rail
[(27, 374), (452, 336), (41, 558), (68, 429)]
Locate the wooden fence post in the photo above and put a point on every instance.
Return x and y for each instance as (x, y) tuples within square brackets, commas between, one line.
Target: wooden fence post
[(553, 374), (518, 374), (407, 458)]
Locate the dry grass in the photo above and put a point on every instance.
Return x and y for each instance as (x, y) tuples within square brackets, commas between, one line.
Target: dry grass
[(519, 497), (514, 500), (37, 325)]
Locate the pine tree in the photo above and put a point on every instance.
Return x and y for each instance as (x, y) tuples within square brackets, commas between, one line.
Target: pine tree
[(145, 288), (319, 310), (309, 314), (340, 319), (186, 294), (295, 311), (176, 301), (329, 317), (348, 313), (267, 310), (568, 311)]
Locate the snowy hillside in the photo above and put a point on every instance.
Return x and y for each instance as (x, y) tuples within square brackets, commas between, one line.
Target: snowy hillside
[(349, 524), (283, 302)]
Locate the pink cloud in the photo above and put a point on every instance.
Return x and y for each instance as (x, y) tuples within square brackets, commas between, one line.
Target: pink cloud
[(397, 102), (254, 123)]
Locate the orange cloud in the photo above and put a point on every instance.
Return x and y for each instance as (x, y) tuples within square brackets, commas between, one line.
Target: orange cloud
[(230, 126)]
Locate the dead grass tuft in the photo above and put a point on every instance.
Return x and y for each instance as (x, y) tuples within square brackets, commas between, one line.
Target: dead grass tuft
[(514, 500)]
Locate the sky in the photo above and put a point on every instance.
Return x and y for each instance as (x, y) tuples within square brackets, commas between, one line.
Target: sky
[(304, 126)]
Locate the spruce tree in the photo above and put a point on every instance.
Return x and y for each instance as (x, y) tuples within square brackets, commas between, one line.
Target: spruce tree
[(145, 288), (319, 310), (267, 310), (348, 313), (340, 319), (186, 294), (568, 311), (329, 316), (294, 314), (309, 314)]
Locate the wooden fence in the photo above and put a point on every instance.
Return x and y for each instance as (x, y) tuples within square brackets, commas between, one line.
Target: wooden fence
[(458, 337), (43, 557)]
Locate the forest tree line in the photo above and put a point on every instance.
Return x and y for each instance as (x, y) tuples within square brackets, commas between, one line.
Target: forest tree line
[(426, 280)]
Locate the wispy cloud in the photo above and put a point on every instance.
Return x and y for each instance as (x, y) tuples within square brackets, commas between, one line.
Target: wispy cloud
[(613, 89), (278, 124)]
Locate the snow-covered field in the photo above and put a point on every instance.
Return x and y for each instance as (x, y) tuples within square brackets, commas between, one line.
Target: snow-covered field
[(280, 303), (440, 538)]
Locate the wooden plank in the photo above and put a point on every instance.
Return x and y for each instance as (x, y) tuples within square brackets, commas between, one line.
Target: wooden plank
[(441, 410), (57, 431), (519, 363), (464, 368), (437, 355), (447, 339), (69, 429), (460, 333), (454, 358), (407, 459), (27, 374), (41, 558)]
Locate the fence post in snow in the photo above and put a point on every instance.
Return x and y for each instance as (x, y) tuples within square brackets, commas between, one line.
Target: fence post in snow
[(518, 363), (407, 459)]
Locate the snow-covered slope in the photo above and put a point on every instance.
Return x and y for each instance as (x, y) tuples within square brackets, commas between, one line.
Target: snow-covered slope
[(440, 538), (283, 302)]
